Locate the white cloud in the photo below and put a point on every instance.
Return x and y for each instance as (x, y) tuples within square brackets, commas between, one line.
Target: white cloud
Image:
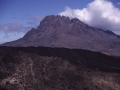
[(118, 3), (10, 37), (14, 30), (11, 27), (99, 13), (33, 22), (16, 27)]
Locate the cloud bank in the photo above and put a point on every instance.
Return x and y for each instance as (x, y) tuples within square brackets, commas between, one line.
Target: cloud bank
[(99, 13), (32, 22), (14, 29), (11, 27)]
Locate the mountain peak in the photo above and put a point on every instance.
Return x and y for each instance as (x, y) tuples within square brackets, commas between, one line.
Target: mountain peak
[(61, 31), (65, 19)]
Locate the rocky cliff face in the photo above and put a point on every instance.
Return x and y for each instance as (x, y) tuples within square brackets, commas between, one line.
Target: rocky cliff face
[(60, 31), (44, 68)]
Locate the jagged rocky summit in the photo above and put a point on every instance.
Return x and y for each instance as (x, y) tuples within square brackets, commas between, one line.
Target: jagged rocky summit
[(61, 31)]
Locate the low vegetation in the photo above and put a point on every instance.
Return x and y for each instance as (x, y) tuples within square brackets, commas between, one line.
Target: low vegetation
[(44, 68)]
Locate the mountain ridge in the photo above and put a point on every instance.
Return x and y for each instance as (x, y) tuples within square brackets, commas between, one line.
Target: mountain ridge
[(61, 31)]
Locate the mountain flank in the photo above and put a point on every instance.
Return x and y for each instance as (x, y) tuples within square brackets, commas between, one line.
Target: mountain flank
[(61, 31), (44, 68)]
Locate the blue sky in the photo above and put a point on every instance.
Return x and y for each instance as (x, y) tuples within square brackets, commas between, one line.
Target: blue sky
[(19, 16), (16, 10)]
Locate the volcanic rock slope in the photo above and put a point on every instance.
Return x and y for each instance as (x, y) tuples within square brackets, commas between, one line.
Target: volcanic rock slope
[(60, 31), (42, 68)]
